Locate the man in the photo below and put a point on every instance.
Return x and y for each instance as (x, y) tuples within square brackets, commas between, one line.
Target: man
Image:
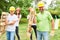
[(44, 19), (11, 21)]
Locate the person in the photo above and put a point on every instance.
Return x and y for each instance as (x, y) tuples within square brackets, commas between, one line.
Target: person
[(2, 22), (32, 21), (10, 22), (17, 23), (44, 19)]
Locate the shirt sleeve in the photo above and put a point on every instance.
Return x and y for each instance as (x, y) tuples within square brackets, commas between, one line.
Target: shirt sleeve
[(37, 18), (16, 18), (50, 16), (20, 16)]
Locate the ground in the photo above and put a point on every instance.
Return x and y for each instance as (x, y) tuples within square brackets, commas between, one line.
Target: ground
[(22, 33)]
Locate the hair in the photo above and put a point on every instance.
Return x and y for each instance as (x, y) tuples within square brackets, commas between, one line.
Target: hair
[(16, 13), (19, 11)]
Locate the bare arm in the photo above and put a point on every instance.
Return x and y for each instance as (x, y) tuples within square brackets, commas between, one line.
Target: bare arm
[(10, 23), (19, 18), (52, 24), (52, 32), (34, 20)]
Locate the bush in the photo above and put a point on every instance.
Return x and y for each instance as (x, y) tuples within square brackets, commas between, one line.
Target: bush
[(23, 20), (24, 12)]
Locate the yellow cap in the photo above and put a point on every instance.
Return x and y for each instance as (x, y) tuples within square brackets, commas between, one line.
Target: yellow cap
[(40, 4), (12, 8)]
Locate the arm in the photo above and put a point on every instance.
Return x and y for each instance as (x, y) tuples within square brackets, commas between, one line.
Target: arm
[(52, 32), (19, 18), (50, 18), (52, 22), (10, 23), (34, 20)]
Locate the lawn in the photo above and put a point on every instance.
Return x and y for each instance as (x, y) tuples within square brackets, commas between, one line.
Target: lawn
[(22, 33)]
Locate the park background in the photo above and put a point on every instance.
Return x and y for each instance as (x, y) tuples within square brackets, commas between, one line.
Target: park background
[(53, 7)]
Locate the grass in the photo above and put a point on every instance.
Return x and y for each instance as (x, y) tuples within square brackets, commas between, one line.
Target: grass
[(22, 33)]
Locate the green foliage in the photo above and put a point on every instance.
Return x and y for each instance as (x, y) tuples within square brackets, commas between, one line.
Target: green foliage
[(22, 32), (23, 20), (23, 4), (37, 10), (24, 12), (55, 10)]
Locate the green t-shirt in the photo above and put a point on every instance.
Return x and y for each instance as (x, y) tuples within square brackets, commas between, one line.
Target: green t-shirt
[(44, 21)]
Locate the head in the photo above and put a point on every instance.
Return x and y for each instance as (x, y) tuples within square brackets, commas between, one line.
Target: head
[(31, 10), (18, 10), (4, 13), (12, 10), (41, 6)]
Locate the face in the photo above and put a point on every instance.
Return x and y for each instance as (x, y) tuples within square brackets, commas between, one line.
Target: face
[(41, 9), (12, 11), (32, 11), (17, 11), (29, 9)]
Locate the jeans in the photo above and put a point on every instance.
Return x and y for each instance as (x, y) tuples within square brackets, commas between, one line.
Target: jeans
[(42, 35), (10, 35), (17, 33)]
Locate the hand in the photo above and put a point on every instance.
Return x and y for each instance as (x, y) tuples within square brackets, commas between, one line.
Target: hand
[(52, 33)]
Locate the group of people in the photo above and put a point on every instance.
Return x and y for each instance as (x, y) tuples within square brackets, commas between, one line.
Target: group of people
[(40, 22), (12, 23)]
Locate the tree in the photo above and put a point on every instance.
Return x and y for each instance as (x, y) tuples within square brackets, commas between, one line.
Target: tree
[(23, 4), (55, 8)]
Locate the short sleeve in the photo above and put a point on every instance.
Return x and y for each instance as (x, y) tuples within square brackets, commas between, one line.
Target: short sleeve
[(16, 18), (20, 16), (50, 16), (37, 18)]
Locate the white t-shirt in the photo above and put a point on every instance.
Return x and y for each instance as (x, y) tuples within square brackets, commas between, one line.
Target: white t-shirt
[(17, 23), (10, 18)]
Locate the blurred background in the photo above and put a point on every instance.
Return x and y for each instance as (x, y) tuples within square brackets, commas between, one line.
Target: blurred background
[(53, 6)]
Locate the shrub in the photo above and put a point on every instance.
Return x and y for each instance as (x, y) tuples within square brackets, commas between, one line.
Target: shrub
[(23, 20)]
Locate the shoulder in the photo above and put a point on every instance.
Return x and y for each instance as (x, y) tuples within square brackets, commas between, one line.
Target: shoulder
[(8, 15), (20, 15), (38, 14), (15, 16), (47, 12)]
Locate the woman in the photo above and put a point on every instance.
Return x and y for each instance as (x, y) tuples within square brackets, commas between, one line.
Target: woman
[(17, 23), (32, 22)]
